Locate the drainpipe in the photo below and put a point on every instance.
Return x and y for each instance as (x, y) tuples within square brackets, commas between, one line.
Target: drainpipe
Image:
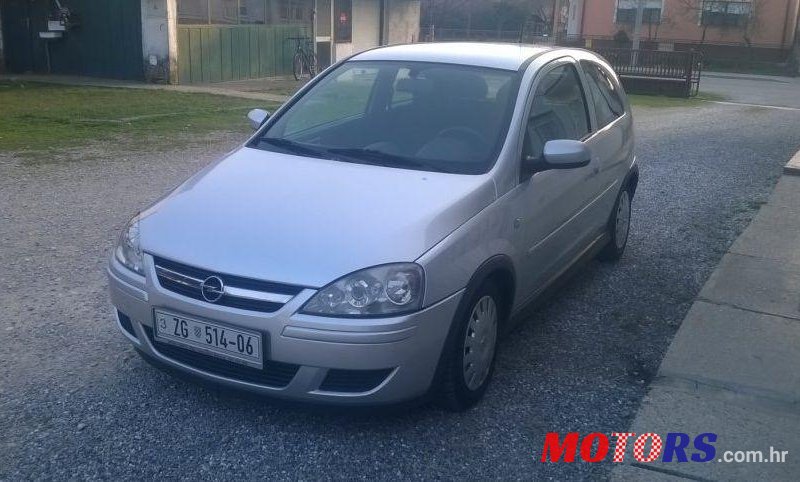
[(786, 24), (794, 28), (637, 31), (314, 31), (382, 27), (583, 16), (172, 35), (556, 19)]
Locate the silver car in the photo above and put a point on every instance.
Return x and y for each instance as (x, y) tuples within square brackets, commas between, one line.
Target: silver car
[(374, 236)]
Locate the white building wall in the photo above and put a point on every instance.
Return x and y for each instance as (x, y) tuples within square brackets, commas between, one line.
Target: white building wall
[(401, 25), (575, 17), (366, 24), (402, 20), (366, 28), (160, 40)]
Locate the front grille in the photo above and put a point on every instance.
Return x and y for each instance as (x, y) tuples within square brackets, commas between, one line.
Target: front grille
[(353, 381), (239, 292), (126, 324), (274, 374)]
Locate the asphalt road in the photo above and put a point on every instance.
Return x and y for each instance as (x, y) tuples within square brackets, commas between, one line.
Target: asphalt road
[(753, 89), (76, 401)]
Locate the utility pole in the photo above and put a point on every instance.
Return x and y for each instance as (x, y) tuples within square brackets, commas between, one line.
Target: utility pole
[(637, 30)]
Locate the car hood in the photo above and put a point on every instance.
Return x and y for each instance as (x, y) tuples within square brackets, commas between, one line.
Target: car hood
[(307, 221)]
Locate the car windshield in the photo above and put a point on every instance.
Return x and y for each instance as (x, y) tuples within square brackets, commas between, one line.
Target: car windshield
[(412, 115)]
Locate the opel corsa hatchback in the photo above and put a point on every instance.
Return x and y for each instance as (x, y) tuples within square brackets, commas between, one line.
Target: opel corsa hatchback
[(374, 236)]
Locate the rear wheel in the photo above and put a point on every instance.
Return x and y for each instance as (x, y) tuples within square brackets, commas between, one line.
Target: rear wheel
[(618, 227), (470, 354), (297, 66)]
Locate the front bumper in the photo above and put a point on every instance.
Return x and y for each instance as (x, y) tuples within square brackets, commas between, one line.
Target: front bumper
[(403, 350)]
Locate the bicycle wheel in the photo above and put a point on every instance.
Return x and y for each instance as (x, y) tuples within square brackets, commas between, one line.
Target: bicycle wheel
[(297, 66)]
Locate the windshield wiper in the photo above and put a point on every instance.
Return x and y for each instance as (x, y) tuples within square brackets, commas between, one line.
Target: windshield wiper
[(293, 147), (380, 158)]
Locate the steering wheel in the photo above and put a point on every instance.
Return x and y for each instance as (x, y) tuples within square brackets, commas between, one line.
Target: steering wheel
[(471, 137)]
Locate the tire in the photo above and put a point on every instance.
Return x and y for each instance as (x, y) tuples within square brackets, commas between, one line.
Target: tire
[(619, 226), (297, 66), (469, 357)]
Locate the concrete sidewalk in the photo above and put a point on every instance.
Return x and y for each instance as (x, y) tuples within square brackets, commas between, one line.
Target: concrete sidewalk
[(733, 368), (256, 90)]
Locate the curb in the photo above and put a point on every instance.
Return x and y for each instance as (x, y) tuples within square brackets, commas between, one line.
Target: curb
[(730, 370), (792, 168)]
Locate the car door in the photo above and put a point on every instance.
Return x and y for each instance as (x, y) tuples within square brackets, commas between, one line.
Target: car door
[(549, 205), (611, 143)]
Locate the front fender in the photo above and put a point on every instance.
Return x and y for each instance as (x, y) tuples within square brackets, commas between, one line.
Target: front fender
[(452, 263)]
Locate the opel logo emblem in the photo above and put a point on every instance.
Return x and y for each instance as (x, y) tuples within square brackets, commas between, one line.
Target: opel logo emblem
[(212, 289)]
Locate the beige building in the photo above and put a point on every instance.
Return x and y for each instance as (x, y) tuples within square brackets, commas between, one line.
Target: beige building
[(769, 24)]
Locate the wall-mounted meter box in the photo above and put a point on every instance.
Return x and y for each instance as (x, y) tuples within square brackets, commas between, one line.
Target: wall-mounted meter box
[(56, 26)]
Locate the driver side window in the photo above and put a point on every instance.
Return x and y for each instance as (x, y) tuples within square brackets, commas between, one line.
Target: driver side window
[(558, 110)]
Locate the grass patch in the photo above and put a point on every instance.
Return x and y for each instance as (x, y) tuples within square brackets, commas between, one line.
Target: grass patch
[(660, 101), (740, 66), (39, 117)]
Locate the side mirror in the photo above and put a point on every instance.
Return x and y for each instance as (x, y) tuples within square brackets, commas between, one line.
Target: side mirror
[(257, 117), (558, 154), (566, 154)]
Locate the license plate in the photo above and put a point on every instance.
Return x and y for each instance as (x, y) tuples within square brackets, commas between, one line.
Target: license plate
[(213, 339)]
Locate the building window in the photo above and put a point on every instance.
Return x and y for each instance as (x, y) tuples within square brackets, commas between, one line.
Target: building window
[(626, 11), (224, 12), (253, 11), (725, 13), (343, 21), (233, 12), (295, 11), (193, 12)]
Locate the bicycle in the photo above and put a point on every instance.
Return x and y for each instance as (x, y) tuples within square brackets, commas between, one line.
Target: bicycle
[(304, 61)]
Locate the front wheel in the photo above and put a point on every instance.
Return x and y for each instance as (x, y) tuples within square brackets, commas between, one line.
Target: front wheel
[(297, 66), (619, 226), (470, 354)]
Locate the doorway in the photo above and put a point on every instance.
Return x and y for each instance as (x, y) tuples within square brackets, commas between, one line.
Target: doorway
[(18, 39), (323, 33)]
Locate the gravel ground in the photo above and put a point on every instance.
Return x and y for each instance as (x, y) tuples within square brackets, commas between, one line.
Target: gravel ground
[(76, 401)]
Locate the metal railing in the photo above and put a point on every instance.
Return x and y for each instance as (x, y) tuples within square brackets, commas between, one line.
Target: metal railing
[(684, 67), (439, 34)]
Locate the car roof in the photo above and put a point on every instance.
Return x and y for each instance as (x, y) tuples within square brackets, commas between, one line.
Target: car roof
[(493, 55)]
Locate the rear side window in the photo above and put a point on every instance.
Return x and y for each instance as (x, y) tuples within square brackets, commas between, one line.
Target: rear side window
[(607, 100), (558, 111)]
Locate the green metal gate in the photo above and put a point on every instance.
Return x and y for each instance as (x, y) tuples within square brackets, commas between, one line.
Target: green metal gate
[(216, 53)]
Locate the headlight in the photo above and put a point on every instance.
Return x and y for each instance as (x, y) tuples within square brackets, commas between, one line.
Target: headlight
[(128, 251), (383, 290)]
